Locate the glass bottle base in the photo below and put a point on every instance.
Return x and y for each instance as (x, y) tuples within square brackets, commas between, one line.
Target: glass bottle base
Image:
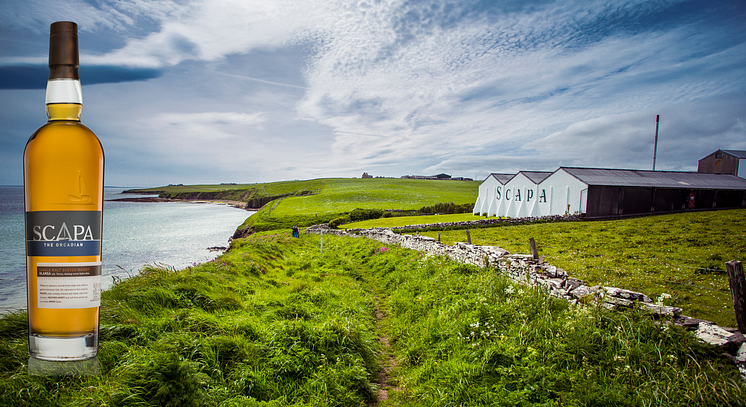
[(87, 367), (57, 348)]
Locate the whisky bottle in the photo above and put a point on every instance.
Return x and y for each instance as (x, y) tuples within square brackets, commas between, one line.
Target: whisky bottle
[(63, 175)]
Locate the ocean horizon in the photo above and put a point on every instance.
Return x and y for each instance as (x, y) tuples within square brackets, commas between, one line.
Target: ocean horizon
[(135, 234)]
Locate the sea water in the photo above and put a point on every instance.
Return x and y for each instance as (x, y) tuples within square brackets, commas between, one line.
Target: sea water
[(136, 234)]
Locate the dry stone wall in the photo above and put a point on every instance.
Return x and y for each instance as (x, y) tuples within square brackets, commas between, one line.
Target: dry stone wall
[(527, 270)]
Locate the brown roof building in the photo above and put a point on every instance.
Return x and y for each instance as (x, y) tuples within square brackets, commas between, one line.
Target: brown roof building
[(724, 162)]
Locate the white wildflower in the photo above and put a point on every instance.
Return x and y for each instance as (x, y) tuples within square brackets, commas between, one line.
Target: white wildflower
[(662, 298)]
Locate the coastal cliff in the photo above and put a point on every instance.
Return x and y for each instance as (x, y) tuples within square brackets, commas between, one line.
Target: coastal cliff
[(252, 198)]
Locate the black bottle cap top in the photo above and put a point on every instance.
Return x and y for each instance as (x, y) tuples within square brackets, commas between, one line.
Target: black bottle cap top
[(63, 50)]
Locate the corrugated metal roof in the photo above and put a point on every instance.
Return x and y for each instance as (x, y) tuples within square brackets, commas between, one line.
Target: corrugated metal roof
[(736, 153), (536, 176), (503, 178), (657, 179)]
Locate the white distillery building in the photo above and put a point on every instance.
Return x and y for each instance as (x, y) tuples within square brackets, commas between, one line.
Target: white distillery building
[(486, 202), (520, 196), (604, 193)]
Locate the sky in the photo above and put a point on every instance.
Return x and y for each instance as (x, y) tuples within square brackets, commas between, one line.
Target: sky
[(213, 91)]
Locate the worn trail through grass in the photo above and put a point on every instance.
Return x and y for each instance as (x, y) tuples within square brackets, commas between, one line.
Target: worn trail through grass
[(386, 381), (274, 323)]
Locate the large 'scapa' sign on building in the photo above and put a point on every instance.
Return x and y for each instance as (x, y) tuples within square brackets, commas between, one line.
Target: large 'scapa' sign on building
[(600, 192)]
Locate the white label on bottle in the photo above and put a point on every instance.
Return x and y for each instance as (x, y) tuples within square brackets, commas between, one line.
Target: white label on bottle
[(68, 285), (64, 91)]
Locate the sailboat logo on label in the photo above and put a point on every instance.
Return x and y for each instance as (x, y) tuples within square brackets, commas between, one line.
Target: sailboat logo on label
[(80, 190)]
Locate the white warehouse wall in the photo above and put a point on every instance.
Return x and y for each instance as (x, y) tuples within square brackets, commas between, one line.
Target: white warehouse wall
[(481, 198), (484, 195), (486, 202), (521, 197), (563, 189)]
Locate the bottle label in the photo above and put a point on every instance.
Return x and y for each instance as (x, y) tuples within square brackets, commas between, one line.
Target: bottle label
[(64, 91), (63, 233), (68, 285)]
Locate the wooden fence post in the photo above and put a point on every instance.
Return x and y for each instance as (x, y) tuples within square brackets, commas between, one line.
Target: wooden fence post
[(738, 291), (438, 237), (468, 236), (533, 248)]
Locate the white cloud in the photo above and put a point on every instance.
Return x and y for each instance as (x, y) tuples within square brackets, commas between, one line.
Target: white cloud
[(435, 85), (36, 15), (212, 30), (205, 125)]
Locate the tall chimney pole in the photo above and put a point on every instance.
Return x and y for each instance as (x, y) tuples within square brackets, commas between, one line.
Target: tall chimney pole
[(655, 150)]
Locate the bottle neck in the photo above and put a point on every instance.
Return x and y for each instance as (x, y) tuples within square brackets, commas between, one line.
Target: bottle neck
[(64, 99), (64, 111)]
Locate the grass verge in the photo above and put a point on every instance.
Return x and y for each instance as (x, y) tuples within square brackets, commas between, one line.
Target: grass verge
[(275, 323), (682, 255), (270, 323)]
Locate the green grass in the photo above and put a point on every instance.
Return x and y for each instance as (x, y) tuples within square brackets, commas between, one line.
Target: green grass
[(192, 188), (411, 220), (270, 188), (269, 323), (286, 187), (339, 196), (303, 203), (466, 336), (275, 323), (682, 255)]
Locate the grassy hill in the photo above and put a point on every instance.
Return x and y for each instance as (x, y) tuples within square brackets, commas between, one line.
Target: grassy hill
[(333, 195), (276, 322), (681, 255), (343, 195), (254, 195), (304, 203)]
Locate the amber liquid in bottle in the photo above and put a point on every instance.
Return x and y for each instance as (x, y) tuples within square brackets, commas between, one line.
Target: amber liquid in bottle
[(63, 191)]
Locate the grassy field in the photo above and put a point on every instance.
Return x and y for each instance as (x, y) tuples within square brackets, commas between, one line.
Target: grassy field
[(275, 323), (271, 188), (468, 337), (172, 189), (411, 220), (339, 196), (303, 203), (343, 195), (682, 255)]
